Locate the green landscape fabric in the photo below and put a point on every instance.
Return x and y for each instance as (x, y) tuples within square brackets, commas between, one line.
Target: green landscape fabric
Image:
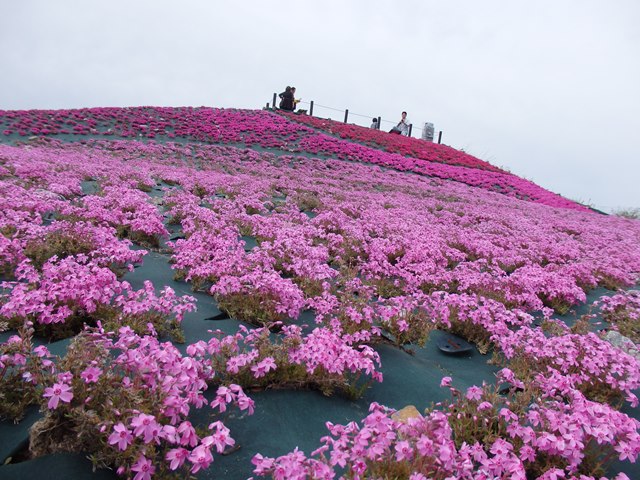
[(56, 467)]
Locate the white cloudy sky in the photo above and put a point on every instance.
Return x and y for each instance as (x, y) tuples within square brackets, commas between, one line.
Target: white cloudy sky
[(549, 89)]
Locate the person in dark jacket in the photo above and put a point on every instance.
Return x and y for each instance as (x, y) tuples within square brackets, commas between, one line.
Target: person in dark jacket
[(286, 100)]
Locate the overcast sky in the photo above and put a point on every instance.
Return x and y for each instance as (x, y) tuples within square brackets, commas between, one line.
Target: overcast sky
[(548, 89)]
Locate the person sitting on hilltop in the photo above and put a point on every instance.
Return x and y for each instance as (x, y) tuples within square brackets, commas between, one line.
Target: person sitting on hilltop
[(374, 124), (402, 128), (286, 100)]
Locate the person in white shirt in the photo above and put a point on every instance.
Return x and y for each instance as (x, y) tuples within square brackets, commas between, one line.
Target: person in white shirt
[(402, 128), (403, 124)]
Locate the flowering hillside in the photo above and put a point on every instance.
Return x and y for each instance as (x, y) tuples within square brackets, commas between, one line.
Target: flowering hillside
[(401, 144), (331, 271), (265, 129)]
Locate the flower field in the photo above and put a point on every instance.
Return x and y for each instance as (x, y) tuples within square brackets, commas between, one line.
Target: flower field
[(406, 146), (233, 293)]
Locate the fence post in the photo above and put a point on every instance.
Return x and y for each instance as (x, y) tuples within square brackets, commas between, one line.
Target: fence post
[(311, 109), (274, 100), (410, 129), (346, 115), (379, 120), (439, 136)]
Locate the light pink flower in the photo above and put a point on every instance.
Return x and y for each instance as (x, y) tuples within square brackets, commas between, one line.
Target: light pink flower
[(263, 367), (474, 393), (201, 458), (404, 451), (91, 375), (58, 392), (177, 456), (120, 436), (445, 382), (146, 426), (144, 467)]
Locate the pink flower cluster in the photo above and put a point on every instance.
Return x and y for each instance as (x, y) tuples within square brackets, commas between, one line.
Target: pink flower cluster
[(141, 391), (205, 124), (59, 291), (80, 286), (121, 207), (327, 359), (179, 381), (106, 250), (623, 306), (579, 361), (555, 434)]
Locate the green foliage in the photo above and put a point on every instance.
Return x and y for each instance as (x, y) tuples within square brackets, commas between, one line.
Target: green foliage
[(410, 327), (287, 375), (144, 187), (60, 243), (16, 394), (258, 308), (111, 318)]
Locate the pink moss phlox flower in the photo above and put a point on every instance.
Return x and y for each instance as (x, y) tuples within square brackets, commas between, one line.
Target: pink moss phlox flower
[(144, 468), (176, 457), (263, 367), (474, 393), (187, 434), (221, 437), (91, 374), (56, 393), (445, 382), (146, 426), (201, 458), (121, 436)]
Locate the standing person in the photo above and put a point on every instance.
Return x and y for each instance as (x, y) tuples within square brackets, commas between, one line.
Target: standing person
[(286, 99), (374, 124)]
